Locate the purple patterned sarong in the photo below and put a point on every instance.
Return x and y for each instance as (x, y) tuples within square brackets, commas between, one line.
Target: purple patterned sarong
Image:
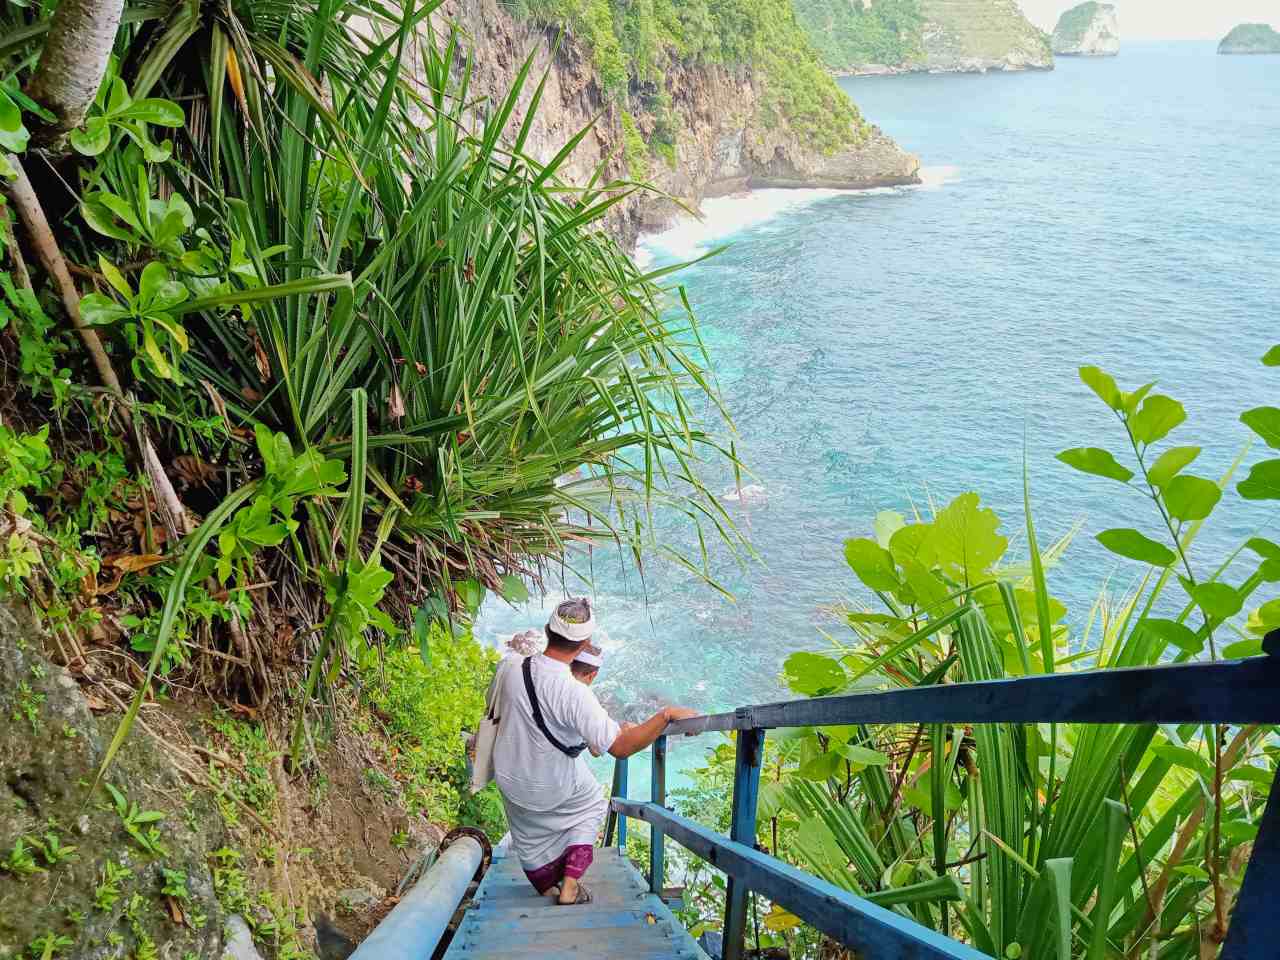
[(572, 863)]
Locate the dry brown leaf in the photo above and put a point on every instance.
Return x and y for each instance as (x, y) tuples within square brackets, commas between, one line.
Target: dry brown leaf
[(395, 403), (219, 404), (175, 910), (134, 562), (260, 356), (193, 471)]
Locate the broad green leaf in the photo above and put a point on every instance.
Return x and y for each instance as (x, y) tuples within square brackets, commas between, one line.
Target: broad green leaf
[(117, 96), (1218, 600), (927, 589), (1104, 385), (1191, 498), (1262, 483), (965, 537), (1159, 415), (773, 796), (115, 277), (887, 523), (1239, 831), (1250, 774), (1170, 463), (1265, 422), (97, 309), (813, 675), (1263, 620), (1241, 649), (872, 564), (101, 218), (1184, 757), (1272, 357), (1096, 461), (470, 594), (94, 137), (822, 767), (1264, 548), (863, 755), (164, 113), (1131, 400), (912, 543), (514, 590), (1136, 546), (1178, 634)]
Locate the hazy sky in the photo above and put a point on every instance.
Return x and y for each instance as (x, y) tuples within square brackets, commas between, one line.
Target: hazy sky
[(1168, 18)]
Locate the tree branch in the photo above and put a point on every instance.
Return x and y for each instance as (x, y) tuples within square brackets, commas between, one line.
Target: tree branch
[(73, 61)]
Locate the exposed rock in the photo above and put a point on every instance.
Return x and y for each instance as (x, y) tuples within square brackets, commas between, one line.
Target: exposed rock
[(50, 748), (1251, 38), (1088, 30), (947, 36), (238, 944), (724, 142)]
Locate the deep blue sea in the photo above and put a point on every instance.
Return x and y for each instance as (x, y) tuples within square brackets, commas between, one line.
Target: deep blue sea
[(886, 349)]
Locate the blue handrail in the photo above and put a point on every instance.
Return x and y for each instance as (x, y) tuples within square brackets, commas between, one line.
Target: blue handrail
[(1226, 692)]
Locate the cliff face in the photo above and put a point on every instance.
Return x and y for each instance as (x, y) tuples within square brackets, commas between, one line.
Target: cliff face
[(727, 137), (1088, 30), (869, 37), (1251, 38)]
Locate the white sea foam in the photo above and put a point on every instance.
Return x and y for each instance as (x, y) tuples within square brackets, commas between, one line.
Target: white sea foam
[(723, 217), (934, 178)]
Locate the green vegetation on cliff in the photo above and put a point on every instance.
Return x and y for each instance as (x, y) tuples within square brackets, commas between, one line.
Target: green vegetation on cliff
[(846, 34), (1073, 24), (1251, 38), (632, 44), (923, 34)]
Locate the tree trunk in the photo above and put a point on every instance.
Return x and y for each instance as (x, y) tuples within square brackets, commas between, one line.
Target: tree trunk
[(74, 60)]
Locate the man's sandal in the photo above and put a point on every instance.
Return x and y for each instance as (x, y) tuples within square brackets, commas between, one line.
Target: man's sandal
[(584, 896)]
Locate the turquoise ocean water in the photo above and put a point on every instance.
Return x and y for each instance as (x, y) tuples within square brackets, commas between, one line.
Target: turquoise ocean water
[(878, 349)]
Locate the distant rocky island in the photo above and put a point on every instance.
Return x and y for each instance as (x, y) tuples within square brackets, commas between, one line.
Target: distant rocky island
[(1087, 30), (1251, 38), (871, 37)]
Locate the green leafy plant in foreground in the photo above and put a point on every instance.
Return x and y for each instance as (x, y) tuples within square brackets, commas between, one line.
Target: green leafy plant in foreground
[(1044, 841)]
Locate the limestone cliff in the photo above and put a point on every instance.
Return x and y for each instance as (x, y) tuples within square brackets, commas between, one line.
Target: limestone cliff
[(1251, 38), (869, 37), (1087, 30), (721, 129)]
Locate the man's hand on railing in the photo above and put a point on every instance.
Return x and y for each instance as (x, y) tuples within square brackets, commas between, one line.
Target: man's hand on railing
[(681, 713), (634, 739)]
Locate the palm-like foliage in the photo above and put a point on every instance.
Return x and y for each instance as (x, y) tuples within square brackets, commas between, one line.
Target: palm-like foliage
[(1097, 841)]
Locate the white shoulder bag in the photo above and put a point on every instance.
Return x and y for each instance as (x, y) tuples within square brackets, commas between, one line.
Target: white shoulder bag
[(482, 743)]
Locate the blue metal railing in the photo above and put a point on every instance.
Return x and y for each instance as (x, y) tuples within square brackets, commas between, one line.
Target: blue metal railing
[(1230, 692)]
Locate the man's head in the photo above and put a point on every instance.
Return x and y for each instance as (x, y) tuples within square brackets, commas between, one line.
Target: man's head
[(586, 665), (570, 626)]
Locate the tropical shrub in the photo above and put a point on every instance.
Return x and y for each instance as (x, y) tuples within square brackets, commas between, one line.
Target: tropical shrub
[(1094, 841), (391, 361)]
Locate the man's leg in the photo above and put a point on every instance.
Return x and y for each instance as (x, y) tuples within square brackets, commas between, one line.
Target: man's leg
[(546, 879), (577, 859)]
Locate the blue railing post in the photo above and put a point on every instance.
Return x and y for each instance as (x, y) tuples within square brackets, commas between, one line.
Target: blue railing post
[(622, 792), (658, 796), (742, 829), (615, 820)]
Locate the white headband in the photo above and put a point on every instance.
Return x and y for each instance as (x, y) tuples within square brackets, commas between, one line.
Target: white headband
[(576, 632), (591, 659)]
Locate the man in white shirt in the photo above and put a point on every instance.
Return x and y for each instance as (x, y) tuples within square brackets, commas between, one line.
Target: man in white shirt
[(554, 805)]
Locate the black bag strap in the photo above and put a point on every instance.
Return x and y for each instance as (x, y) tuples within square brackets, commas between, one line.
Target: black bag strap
[(537, 714)]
